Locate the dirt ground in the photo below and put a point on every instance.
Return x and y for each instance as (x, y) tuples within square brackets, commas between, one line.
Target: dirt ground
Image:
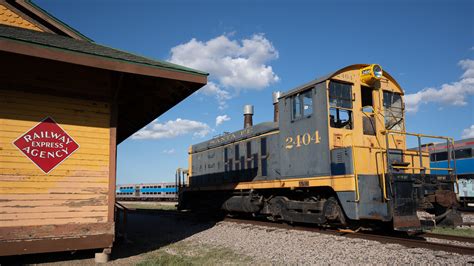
[(146, 232), (155, 238)]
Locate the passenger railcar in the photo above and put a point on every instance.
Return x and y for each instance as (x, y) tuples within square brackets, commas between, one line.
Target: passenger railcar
[(463, 152), (334, 154), (153, 191)]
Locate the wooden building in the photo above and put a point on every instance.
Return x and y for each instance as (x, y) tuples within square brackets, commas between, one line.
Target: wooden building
[(65, 103)]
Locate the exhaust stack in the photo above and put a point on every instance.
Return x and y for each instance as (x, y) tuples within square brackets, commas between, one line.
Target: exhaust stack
[(248, 113), (275, 96)]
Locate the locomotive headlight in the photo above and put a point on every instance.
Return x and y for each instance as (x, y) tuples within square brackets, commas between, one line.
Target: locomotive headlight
[(371, 73), (377, 70)]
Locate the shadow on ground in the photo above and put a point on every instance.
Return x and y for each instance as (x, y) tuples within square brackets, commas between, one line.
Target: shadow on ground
[(146, 231)]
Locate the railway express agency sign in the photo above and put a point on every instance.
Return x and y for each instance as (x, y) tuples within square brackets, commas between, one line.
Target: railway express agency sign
[(47, 145)]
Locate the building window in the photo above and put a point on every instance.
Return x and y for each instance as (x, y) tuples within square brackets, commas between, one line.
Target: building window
[(340, 105)]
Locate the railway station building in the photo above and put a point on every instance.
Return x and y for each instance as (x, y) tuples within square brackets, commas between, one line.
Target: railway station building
[(65, 104)]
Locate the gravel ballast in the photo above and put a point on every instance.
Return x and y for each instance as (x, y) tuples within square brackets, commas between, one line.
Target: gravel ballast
[(281, 246)]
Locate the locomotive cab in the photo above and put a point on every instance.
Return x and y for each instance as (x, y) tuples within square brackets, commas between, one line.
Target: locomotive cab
[(335, 152)]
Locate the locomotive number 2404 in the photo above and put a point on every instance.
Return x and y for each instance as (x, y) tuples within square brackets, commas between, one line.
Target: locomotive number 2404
[(302, 140)]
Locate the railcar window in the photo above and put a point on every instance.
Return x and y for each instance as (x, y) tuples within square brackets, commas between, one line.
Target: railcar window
[(340, 102), (459, 154), (441, 156), (392, 103), (296, 107), (463, 153)]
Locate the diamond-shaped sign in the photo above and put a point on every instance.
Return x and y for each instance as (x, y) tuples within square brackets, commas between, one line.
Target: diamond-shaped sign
[(46, 144)]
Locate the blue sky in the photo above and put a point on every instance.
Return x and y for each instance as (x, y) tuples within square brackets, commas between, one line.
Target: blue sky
[(252, 48)]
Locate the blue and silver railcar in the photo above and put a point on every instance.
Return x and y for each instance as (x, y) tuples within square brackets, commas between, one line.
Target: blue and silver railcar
[(149, 191), (463, 153)]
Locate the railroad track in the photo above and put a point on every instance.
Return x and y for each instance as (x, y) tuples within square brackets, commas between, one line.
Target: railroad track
[(419, 241), (411, 242)]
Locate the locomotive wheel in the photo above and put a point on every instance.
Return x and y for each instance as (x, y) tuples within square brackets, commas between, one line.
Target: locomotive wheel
[(333, 211)]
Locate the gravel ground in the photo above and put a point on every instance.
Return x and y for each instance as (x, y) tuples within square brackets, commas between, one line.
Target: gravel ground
[(150, 235), (468, 217), (280, 246), (451, 242)]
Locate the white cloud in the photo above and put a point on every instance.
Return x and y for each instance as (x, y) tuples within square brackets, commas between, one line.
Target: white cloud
[(454, 93), (171, 129), (221, 119), (232, 64), (468, 132), (170, 151), (212, 89)]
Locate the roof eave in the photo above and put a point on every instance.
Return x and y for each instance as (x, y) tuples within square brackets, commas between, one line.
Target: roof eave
[(51, 53)]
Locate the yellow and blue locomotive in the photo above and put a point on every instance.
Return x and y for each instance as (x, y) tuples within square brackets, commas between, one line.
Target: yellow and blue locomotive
[(334, 154)]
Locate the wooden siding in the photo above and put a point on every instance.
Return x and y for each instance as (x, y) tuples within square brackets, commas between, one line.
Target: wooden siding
[(76, 191), (11, 18)]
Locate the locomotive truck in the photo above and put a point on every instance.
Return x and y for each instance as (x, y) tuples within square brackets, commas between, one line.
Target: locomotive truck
[(335, 153)]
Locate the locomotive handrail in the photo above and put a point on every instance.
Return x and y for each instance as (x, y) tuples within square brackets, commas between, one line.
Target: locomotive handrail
[(415, 134), (422, 168), (384, 183), (356, 178), (449, 140)]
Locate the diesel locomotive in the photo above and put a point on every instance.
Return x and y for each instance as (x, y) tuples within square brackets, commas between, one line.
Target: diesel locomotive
[(335, 153)]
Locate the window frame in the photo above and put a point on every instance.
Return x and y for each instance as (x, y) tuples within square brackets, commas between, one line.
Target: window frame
[(401, 109), (340, 107), (301, 98)]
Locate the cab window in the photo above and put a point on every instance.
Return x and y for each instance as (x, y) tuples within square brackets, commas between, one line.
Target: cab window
[(340, 105), (302, 105), (392, 103), (296, 106), (307, 103)]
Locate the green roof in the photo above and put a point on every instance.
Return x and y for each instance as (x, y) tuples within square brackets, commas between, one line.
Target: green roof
[(55, 41), (31, 3)]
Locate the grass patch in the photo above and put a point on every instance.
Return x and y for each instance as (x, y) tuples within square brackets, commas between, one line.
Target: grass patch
[(150, 205), (466, 232), (186, 253)]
